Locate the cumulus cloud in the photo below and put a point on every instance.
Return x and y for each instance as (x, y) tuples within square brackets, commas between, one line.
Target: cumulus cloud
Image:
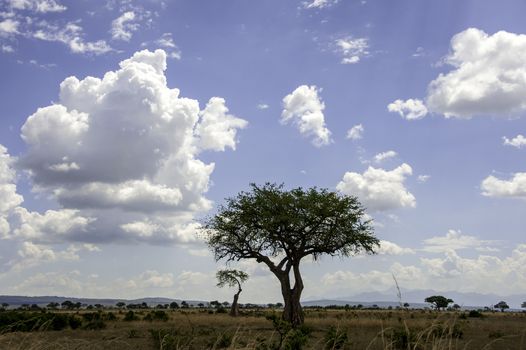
[(379, 189), (122, 27), (380, 157), (319, 4), (304, 108), (514, 187), (356, 132), (518, 141), (119, 155), (455, 240), (352, 50), (391, 248), (488, 76), (151, 279), (42, 6), (411, 109)]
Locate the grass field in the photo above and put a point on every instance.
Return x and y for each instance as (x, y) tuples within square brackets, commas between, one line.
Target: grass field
[(324, 329)]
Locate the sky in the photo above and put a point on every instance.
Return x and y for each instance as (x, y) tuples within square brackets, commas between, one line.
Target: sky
[(124, 123)]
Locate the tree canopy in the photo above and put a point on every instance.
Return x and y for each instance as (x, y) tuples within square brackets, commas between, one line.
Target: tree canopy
[(438, 301), (280, 227)]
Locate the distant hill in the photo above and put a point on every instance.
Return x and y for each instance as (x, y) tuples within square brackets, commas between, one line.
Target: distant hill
[(16, 300)]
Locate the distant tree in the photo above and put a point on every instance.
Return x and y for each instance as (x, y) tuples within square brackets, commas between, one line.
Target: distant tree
[(100, 306), (144, 305), (184, 305), (120, 304), (174, 305), (279, 305), (77, 305), (438, 301), (67, 304), (52, 305), (523, 305), (5, 305), (232, 278), (201, 305), (280, 228), (456, 307), (215, 304), (502, 305), (406, 305)]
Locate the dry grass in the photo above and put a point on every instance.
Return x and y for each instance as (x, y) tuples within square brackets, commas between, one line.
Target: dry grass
[(363, 329)]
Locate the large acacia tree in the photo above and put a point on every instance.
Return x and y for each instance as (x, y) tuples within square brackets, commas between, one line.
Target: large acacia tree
[(280, 227)]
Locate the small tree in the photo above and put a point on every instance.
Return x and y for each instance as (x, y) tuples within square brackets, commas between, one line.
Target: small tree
[(120, 304), (174, 305), (232, 278), (523, 305), (502, 305), (279, 228), (438, 301)]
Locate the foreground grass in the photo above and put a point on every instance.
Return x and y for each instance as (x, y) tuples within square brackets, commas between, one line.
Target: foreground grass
[(325, 329)]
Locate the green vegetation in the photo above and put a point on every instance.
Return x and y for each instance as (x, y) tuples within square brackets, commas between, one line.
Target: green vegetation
[(262, 329)]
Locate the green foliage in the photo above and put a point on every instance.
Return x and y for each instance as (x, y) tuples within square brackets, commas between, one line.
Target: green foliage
[(475, 314), (502, 305), (130, 316), (336, 338), (15, 321), (438, 301), (231, 278), (156, 315), (269, 221), (289, 338)]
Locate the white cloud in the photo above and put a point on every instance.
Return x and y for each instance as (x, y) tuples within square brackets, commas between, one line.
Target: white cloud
[(356, 132), (380, 157), (514, 187), (423, 178), (518, 141), (166, 41), (119, 155), (390, 248), (7, 48), (262, 106), (488, 76), (42, 6), (411, 109), (379, 189), (455, 240), (122, 28), (8, 27), (71, 35), (151, 279), (304, 108), (217, 129), (352, 49), (319, 4)]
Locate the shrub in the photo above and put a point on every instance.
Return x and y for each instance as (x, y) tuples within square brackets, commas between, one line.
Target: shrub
[(130, 316), (335, 338), (95, 325), (475, 313)]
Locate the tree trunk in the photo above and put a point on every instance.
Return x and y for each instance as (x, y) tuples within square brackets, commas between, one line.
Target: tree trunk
[(234, 309), (292, 311)]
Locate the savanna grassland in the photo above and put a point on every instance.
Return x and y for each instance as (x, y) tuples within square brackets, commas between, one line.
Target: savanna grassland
[(261, 329)]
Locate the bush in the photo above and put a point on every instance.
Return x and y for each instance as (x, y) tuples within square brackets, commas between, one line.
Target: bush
[(335, 338), (475, 313), (75, 322), (95, 325), (130, 316)]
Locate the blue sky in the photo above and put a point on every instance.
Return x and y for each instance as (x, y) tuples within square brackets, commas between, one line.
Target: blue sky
[(124, 121)]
